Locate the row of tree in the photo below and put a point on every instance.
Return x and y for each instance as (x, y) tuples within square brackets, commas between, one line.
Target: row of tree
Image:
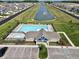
[(18, 0), (49, 1)]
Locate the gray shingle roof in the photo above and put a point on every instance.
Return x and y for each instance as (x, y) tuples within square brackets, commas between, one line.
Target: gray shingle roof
[(31, 34), (43, 33)]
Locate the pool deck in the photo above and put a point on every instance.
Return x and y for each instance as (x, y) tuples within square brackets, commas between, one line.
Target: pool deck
[(17, 28), (50, 28)]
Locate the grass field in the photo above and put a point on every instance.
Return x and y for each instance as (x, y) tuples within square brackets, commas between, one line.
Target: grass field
[(64, 41), (66, 23)]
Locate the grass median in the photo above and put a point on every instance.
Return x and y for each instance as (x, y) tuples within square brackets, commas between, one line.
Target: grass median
[(43, 53)]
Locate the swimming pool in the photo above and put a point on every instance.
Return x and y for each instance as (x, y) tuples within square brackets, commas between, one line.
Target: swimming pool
[(27, 28)]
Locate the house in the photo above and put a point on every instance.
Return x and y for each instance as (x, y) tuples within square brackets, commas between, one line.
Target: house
[(36, 36), (42, 36)]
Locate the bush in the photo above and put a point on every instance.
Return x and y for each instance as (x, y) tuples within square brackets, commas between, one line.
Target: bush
[(42, 52)]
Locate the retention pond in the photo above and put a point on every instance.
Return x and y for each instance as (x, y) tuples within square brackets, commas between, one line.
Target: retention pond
[(43, 13)]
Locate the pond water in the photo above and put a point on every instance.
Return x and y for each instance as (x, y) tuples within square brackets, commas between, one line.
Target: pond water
[(43, 13)]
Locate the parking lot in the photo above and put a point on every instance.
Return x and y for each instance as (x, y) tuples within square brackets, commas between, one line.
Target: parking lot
[(63, 53), (21, 53)]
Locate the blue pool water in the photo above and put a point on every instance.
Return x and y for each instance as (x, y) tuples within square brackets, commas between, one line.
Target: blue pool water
[(27, 28)]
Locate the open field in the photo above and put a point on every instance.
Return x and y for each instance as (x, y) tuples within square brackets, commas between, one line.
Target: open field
[(66, 23)]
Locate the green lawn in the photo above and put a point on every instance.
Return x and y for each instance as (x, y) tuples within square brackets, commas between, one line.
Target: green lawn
[(66, 23), (6, 28), (64, 41), (43, 53), (61, 16)]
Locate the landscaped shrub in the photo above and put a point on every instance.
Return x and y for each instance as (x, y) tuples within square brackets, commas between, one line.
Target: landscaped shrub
[(43, 52)]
